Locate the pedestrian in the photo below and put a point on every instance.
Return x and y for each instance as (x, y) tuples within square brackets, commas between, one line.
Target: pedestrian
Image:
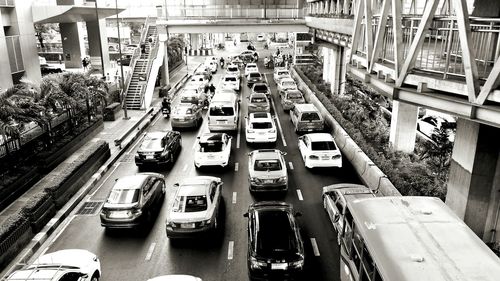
[(143, 48), (85, 63), (212, 89)]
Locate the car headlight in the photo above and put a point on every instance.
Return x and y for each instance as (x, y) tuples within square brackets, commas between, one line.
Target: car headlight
[(336, 156), (250, 131), (256, 264), (282, 179), (205, 222), (135, 212), (254, 179), (297, 264), (164, 153), (272, 131)]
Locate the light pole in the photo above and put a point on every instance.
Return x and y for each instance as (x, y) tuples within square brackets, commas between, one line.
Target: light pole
[(122, 81)]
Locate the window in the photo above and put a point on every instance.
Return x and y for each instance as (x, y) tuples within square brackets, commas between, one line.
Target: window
[(310, 116), (260, 88), (211, 146), (123, 196), (323, 145), (261, 125), (195, 203), (258, 100), (221, 111), (267, 165), (213, 189)]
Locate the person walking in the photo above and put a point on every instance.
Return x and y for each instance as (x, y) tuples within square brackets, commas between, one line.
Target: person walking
[(212, 89)]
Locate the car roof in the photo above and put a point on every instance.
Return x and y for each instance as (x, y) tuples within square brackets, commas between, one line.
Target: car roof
[(261, 116), (211, 137), (260, 84), (251, 64), (293, 91), (231, 75), (320, 137), (255, 72), (287, 79), (198, 76), (195, 185), (130, 182), (305, 106), (270, 204), (357, 191), (266, 154), (156, 135)]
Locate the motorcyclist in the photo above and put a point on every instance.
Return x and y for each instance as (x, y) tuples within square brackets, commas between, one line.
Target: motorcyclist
[(221, 61), (165, 104)]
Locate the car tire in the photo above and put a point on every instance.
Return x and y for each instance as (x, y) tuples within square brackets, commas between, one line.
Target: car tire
[(95, 277)]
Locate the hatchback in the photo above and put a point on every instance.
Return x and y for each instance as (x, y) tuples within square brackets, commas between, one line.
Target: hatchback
[(280, 73), (133, 200), (286, 84), (275, 245), (212, 149), (233, 69), (231, 81), (290, 98), (258, 102), (159, 148), (267, 170), (260, 128)]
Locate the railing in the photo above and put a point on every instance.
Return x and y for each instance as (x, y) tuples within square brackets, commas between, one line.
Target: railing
[(152, 55), (235, 11)]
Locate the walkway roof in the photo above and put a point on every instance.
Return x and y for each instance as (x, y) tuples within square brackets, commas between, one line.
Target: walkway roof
[(71, 13)]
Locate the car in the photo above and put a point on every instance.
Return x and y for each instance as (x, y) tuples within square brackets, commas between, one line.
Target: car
[(334, 200), (290, 98), (186, 115), (233, 69), (231, 81), (49, 69), (285, 84), (212, 149), (195, 207), (254, 77), (62, 265), (275, 245), (251, 67), (175, 277), (262, 88), (202, 70), (430, 125), (159, 147), (258, 102), (261, 38), (260, 128), (199, 78), (267, 171), (279, 73), (193, 96), (319, 150), (249, 55), (212, 65), (133, 200), (236, 60)]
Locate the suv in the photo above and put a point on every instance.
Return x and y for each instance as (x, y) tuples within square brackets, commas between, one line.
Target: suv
[(267, 170), (159, 148), (275, 246), (69, 264)]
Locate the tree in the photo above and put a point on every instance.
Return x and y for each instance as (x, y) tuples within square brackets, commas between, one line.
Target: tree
[(438, 152), (46, 31)]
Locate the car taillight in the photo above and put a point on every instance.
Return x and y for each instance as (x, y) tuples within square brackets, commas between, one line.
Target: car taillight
[(336, 156), (313, 157), (235, 118), (250, 131)]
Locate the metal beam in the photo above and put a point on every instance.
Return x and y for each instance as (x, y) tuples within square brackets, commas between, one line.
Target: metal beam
[(230, 28), (491, 83), (398, 37), (357, 28), (368, 31), (379, 37)]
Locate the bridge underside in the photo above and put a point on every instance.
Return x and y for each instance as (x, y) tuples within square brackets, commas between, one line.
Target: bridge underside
[(234, 26)]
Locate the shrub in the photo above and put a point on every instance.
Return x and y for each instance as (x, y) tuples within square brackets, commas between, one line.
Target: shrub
[(35, 202), (12, 223)]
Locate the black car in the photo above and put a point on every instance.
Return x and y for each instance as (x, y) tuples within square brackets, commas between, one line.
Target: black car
[(49, 69), (275, 246), (254, 77), (261, 87), (159, 148), (133, 200)]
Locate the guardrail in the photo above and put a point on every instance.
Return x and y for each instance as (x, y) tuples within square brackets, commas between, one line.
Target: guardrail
[(235, 11), (118, 141), (152, 56)]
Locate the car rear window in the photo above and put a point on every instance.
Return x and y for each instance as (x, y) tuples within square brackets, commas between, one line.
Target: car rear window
[(221, 111), (261, 125), (151, 143), (214, 146), (189, 204), (189, 99), (310, 116), (288, 84), (254, 75), (123, 196), (260, 88), (283, 73), (258, 99), (230, 79), (275, 236), (294, 95), (323, 145), (267, 165)]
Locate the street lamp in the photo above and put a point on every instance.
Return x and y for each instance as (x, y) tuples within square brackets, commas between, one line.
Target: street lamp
[(122, 81)]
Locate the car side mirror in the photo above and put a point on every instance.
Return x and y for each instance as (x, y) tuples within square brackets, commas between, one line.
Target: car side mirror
[(249, 153), (283, 153), (245, 215), (198, 137), (176, 184), (246, 117), (336, 218), (298, 214), (116, 179)]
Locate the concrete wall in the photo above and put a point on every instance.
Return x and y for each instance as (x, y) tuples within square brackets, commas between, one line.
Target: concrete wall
[(5, 72)]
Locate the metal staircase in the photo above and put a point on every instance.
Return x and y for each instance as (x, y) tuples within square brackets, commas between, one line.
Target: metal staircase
[(140, 74)]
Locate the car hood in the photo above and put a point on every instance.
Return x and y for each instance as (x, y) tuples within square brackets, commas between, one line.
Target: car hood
[(179, 217), (70, 257)]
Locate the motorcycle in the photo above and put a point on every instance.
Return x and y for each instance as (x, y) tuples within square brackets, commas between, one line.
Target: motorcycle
[(166, 112)]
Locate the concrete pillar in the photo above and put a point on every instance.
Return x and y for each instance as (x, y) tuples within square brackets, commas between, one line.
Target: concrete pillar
[(474, 179), (165, 78), (195, 41), (5, 71), (72, 51), (326, 63), (343, 69), (336, 69), (403, 126), (97, 38)]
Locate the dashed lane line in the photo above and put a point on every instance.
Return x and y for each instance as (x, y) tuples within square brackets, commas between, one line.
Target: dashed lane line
[(150, 251), (230, 250), (315, 247), (234, 197), (238, 136), (291, 165), (236, 166), (106, 179), (299, 194), (184, 169)]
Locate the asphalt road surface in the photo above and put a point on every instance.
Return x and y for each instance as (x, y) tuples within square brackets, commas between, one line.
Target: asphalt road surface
[(134, 256)]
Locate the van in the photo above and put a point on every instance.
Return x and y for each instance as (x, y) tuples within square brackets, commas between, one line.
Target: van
[(306, 118), (224, 111)]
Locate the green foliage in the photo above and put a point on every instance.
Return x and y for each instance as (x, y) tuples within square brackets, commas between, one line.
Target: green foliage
[(10, 225), (175, 49), (35, 202)]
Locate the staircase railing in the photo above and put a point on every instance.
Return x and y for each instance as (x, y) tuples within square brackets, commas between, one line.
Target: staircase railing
[(151, 58)]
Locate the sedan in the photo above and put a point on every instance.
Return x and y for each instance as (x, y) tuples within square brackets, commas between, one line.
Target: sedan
[(267, 170), (200, 78), (290, 98), (212, 149), (286, 84), (262, 88), (203, 71), (319, 150), (260, 128), (233, 69), (159, 148), (430, 126), (254, 77), (275, 246), (231, 81), (258, 103), (186, 115), (251, 67), (133, 200), (280, 73), (212, 65), (195, 208)]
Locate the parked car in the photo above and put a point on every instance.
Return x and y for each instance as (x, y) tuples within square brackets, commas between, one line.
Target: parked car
[(159, 148), (286, 84), (212, 65), (279, 73), (275, 245), (175, 277), (260, 128), (195, 208), (430, 125), (267, 170), (290, 98), (231, 81), (233, 69), (262, 88), (186, 115), (200, 78), (63, 265), (251, 67), (49, 69), (133, 200), (202, 70), (258, 102), (254, 77), (212, 149), (319, 150)]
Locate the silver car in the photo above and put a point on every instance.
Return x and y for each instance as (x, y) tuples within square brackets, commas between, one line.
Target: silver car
[(186, 115), (195, 207), (258, 102), (267, 170)]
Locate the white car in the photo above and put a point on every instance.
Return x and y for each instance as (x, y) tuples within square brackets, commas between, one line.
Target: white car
[(267, 171), (231, 81), (260, 128), (319, 150), (199, 78), (261, 38), (61, 265), (175, 277), (233, 69), (212, 65), (212, 149), (286, 84), (280, 73), (251, 67), (430, 125)]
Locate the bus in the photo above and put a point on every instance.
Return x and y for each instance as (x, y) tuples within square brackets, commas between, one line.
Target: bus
[(405, 238)]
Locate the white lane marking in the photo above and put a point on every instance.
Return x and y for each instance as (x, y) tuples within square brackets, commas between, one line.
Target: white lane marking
[(106, 179), (291, 165), (236, 166), (137, 143), (156, 119), (185, 168), (277, 118), (150, 251), (234, 197), (230, 250), (299, 194), (315, 247), (238, 136)]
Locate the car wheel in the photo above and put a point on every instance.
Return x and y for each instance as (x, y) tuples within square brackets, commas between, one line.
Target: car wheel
[(95, 277), (171, 160)]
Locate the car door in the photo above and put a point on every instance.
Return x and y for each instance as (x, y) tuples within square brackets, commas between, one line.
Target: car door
[(146, 194), (227, 149), (303, 146), (214, 198)]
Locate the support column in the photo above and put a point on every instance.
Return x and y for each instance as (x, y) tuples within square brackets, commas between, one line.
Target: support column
[(474, 178), (326, 64), (5, 71), (71, 43), (196, 41), (165, 78), (403, 126), (97, 38), (335, 69), (343, 69)]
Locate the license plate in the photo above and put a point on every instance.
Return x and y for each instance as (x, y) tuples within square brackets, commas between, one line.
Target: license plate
[(309, 129), (325, 157), (268, 181), (262, 133), (150, 157), (210, 156), (118, 214), (279, 266), (222, 122), (187, 225)]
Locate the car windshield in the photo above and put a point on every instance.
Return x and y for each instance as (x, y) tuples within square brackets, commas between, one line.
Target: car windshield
[(233, 69), (189, 204), (310, 116), (258, 100), (260, 88), (283, 73), (123, 196), (151, 143), (275, 236), (221, 111), (261, 125), (288, 84), (267, 165), (230, 79), (213, 146), (323, 145), (294, 95), (183, 110), (189, 99), (254, 75)]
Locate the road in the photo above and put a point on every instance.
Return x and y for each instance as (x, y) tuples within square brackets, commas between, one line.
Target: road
[(131, 255)]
